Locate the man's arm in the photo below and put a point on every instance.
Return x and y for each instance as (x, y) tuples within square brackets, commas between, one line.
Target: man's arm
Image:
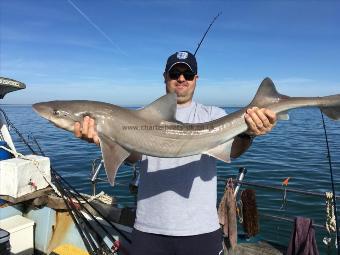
[(260, 122), (88, 132)]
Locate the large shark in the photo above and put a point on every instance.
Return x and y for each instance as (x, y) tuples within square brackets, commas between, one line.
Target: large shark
[(154, 131)]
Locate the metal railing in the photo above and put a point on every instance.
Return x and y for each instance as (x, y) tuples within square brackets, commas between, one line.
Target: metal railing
[(239, 182), (98, 164)]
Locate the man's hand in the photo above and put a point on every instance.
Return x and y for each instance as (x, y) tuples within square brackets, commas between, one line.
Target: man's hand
[(259, 121), (87, 131)]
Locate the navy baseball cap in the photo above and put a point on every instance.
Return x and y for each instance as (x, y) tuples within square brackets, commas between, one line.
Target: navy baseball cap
[(182, 57)]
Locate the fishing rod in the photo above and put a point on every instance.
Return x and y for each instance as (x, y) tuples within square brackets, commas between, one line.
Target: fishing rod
[(92, 244), (74, 190), (206, 32), (94, 208), (88, 241), (332, 182), (84, 225)]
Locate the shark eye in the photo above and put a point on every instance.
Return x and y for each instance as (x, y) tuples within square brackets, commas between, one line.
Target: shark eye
[(56, 112)]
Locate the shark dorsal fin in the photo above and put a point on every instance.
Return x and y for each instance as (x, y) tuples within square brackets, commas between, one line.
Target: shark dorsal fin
[(267, 94), (164, 108)]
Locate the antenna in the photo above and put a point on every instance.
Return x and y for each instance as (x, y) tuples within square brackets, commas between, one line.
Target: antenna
[(212, 22)]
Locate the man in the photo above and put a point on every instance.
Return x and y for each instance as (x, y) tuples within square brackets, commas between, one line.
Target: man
[(176, 207)]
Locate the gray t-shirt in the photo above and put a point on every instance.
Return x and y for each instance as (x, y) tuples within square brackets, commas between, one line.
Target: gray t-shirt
[(177, 196)]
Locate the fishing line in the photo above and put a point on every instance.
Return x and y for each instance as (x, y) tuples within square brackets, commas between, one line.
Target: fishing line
[(206, 32), (332, 182), (11, 125)]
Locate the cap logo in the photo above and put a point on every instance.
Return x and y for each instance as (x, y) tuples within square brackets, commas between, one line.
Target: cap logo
[(182, 55)]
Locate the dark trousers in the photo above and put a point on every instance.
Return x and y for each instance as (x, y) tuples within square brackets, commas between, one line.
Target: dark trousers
[(5, 248), (153, 244)]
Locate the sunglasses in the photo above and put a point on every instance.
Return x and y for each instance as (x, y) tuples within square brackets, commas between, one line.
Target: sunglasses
[(175, 74)]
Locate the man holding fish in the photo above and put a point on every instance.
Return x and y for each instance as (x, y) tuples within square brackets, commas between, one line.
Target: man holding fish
[(176, 207)]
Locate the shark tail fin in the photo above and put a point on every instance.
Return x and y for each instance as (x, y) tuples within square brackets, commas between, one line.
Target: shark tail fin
[(332, 112), (267, 94)]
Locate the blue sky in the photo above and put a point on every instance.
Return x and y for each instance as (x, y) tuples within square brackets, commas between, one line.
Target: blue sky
[(115, 51)]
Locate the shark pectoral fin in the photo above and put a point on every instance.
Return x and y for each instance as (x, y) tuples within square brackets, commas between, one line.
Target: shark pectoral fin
[(113, 156), (283, 116), (164, 108), (221, 152), (332, 112)]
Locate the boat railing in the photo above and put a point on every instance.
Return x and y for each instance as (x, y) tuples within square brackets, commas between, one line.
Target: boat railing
[(98, 164), (298, 191), (239, 182)]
